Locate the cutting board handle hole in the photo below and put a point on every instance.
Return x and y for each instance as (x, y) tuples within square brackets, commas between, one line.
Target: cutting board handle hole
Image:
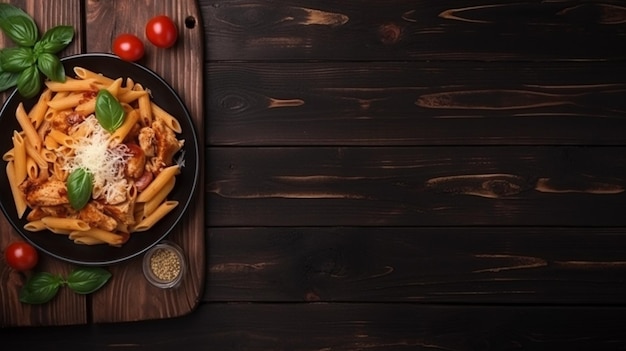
[(190, 22)]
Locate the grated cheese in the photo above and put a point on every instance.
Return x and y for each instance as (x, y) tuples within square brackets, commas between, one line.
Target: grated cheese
[(105, 161)]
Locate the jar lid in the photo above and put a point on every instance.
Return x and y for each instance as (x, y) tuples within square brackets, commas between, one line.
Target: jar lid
[(164, 265)]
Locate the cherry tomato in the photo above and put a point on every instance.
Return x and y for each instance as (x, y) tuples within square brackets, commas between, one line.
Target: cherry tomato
[(128, 47), (161, 31), (21, 256)]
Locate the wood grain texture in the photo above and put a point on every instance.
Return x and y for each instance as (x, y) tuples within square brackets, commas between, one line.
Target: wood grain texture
[(455, 265), (425, 30), (339, 326), (412, 186), (66, 308), (181, 66), (415, 103), (392, 175)]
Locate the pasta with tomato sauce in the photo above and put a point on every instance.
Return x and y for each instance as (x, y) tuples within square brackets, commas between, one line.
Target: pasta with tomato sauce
[(123, 160)]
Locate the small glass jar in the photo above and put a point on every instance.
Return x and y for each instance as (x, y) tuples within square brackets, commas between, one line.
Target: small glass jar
[(164, 265)]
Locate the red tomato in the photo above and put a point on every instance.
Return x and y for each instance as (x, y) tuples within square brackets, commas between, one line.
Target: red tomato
[(128, 47), (21, 256), (161, 31)]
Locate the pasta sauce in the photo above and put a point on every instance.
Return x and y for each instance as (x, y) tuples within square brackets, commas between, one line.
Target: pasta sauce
[(131, 167)]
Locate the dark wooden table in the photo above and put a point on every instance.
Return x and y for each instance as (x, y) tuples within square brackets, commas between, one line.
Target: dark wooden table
[(381, 175)]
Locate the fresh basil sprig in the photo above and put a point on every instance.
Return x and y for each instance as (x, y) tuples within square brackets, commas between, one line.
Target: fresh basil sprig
[(40, 288), (24, 64), (43, 286), (79, 187), (109, 111), (87, 280)]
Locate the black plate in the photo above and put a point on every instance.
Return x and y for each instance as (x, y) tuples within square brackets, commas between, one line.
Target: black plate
[(60, 246)]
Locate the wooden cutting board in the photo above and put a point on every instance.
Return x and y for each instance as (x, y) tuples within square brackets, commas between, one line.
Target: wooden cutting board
[(127, 296)]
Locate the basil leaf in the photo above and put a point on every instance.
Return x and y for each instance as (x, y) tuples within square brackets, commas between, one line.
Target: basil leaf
[(29, 82), (40, 288), (8, 10), (17, 59), (88, 279), (79, 186), (109, 111), (21, 29), (55, 39), (7, 79), (51, 66)]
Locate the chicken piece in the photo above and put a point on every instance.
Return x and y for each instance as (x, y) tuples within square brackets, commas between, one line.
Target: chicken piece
[(36, 214), (58, 211), (44, 192), (123, 212), (166, 143), (136, 163), (63, 121), (147, 141), (96, 218)]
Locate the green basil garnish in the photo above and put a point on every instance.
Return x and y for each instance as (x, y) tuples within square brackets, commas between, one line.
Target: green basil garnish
[(29, 82), (87, 280), (40, 288), (79, 186), (55, 40), (7, 79), (21, 29), (43, 286), (109, 111), (17, 59), (7, 10), (51, 67), (23, 65)]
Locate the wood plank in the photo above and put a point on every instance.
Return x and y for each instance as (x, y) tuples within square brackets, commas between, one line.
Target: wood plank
[(181, 67), (67, 307), (414, 186), (411, 103), (458, 265), (433, 30), (349, 326)]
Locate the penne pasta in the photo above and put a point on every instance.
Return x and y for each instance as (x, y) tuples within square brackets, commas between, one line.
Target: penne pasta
[(36, 156), (86, 74), (18, 196), (155, 216), (27, 126), (8, 156), (63, 223), (158, 183), (131, 96), (61, 133), (61, 138), (48, 156), (169, 120), (85, 240), (59, 231), (145, 108), (32, 169), (68, 102), (152, 204), (58, 172), (120, 133), (38, 112), (50, 143), (101, 235), (115, 87), (72, 85), (19, 157), (35, 226)]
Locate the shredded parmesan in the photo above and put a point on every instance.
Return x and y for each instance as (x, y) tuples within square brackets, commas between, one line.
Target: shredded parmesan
[(106, 162)]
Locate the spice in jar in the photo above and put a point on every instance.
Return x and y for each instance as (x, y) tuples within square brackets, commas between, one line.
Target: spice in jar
[(165, 264)]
